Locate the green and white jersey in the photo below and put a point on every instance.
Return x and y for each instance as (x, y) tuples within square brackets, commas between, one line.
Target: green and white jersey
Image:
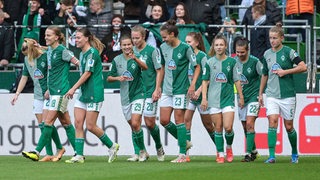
[(250, 72), (58, 67), (93, 89), (38, 72), (201, 59), (176, 64), (151, 56), (279, 87), (131, 89), (222, 74)]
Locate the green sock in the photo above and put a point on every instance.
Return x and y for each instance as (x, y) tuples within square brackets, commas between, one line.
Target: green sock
[(172, 129), (250, 141), (211, 134), (135, 146), (79, 143), (106, 140), (218, 138), (49, 145), (140, 139), (229, 137), (182, 138), (188, 133), (44, 138), (56, 138), (293, 141), (272, 139), (155, 133), (71, 134)]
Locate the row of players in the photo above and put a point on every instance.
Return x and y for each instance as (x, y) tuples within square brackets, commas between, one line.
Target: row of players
[(179, 76)]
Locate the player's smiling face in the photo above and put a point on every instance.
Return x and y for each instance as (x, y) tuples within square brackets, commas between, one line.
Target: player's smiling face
[(126, 46), (241, 52), (81, 40), (137, 38), (166, 37), (50, 37)]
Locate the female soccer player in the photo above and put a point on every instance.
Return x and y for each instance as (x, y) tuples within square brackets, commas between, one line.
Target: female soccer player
[(221, 71), (152, 82), (195, 40), (278, 67), (35, 66), (250, 69), (176, 58), (59, 58), (91, 96), (126, 68)]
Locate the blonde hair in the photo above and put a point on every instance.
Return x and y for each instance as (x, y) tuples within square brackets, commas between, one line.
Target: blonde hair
[(32, 49)]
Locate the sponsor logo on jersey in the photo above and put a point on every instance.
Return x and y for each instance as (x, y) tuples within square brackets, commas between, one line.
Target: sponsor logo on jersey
[(275, 67), (221, 77), (127, 75), (243, 79), (190, 73), (172, 65), (37, 74)]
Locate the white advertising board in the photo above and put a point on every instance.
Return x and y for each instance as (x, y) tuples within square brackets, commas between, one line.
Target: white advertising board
[(19, 130)]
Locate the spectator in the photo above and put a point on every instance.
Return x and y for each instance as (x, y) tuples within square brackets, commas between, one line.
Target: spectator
[(242, 11), (272, 12), (6, 41), (112, 39), (259, 37), (171, 4), (231, 33), (206, 11), (160, 13), (16, 9), (132, 9), (32, 18), (181, 14), (65, 5), (70, 33), (156, 17), (100, 14), (300, 10), (6, 15)]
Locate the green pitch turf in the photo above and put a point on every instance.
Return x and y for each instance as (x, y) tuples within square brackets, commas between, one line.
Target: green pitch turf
[(200, 167)]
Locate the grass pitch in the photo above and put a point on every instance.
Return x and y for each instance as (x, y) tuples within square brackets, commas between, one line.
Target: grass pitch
[(200, 167)]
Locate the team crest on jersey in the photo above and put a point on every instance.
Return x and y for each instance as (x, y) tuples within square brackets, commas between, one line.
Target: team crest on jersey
[(179, 56), (172, 65), (133, 66), (221, 77), (228, 68), (249, 70), (275, 67), (283, 58), (128, 76), (243, 79), (38, 74), (43, 64), (90, 62)]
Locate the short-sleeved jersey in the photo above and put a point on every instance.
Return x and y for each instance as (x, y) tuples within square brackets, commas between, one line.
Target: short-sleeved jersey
[(58, 68), (279, 87), (132, 89), (201, 60), (151, 56), (93, 89), (176, 64), (38, 72), (250, 72), (222, 74)]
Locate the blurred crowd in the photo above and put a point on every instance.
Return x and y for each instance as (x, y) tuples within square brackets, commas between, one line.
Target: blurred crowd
[(22, 16)]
